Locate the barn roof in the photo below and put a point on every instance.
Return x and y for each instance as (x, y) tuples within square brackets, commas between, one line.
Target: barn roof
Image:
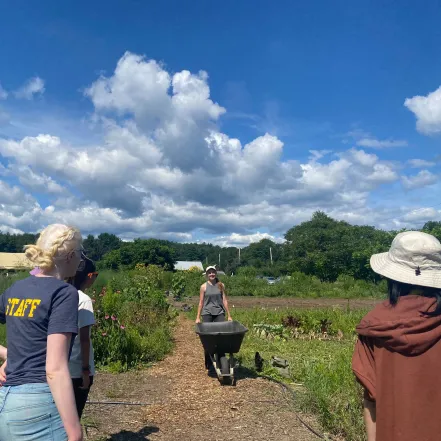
[(183, 265), (11, 261)]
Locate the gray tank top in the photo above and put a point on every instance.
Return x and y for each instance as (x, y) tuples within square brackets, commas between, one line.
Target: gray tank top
[(213, 302)]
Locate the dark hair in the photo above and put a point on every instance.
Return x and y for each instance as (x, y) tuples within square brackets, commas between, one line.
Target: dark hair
[(399, 289), (81, 275)]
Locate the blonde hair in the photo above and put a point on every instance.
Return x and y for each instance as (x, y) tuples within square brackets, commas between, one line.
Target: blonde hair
[(54, 243)]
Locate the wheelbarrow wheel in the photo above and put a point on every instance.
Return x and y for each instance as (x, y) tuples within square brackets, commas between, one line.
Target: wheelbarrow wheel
[(224, 365), (227, 381)]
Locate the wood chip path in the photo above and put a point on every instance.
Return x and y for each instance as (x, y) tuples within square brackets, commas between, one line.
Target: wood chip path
[(186, 404)]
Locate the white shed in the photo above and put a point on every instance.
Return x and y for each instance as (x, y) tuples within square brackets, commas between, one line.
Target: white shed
[(183, 265)]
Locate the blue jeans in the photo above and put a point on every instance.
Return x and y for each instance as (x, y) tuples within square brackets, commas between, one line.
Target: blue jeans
[(28, 413)]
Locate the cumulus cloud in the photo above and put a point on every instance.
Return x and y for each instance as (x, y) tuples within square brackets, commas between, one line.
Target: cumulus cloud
[(243, 240), (422, 179), (427, 110), (34, 86), (38, 183), (421, 215), (165, 169)]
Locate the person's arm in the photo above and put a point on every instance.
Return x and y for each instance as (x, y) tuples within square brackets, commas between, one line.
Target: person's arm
[(85, 355), (63, 325), (201, 302), (363, 366), (225, 301), (86, 319), (60, 383), (3, 353), (3, 373), (3, 350), (370, 418)]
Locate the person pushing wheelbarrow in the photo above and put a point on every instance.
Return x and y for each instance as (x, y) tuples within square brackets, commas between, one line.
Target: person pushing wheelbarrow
[(213, 304)]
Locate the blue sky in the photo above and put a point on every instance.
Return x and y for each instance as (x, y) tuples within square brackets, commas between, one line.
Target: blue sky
[(317, 76)]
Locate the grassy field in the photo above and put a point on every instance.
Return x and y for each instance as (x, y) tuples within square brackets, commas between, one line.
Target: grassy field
[(319, 353)]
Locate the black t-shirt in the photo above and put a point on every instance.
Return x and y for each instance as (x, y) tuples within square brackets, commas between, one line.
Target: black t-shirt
[(32, 309)]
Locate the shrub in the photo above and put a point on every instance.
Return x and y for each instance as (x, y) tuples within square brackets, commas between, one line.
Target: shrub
[(133, 322)]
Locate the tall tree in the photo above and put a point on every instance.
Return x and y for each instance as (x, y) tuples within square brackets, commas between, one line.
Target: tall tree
[(147, 252)]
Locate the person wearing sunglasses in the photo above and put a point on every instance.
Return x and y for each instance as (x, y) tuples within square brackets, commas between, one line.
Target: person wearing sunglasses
[(81, 363)]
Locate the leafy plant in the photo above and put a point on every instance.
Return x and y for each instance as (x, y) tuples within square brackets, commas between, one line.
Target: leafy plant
[(178, 285)]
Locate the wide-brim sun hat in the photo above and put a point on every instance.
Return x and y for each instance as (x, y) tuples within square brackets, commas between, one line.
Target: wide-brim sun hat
[(413, 258)]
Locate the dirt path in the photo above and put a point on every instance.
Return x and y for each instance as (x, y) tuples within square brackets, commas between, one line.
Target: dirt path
[(188, 405)]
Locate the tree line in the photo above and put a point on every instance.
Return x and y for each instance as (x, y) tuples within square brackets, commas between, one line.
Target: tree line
[(322, 247)]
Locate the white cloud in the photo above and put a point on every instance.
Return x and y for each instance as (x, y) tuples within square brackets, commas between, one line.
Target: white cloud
[(164, 169), (6, 229), (3, 93), (421, 163), (427, 110), (243, 240), (365, 139), (379, 144), (422, 215), (38, 183), (319, 154), (422, 179), (34, 86)]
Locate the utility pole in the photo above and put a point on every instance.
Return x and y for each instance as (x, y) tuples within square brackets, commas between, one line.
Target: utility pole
[(239, 256), (271, 255), (219, 262)]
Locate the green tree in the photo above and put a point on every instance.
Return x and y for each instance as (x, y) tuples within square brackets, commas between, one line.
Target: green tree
[(259, 254), (147, 252), (97, 247), (433, 228), (327, 248)]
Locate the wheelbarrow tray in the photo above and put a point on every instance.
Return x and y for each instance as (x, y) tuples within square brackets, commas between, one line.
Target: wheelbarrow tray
[(221, 337)]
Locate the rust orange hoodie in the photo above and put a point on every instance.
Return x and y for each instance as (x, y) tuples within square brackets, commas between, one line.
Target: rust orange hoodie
[(397, 359)]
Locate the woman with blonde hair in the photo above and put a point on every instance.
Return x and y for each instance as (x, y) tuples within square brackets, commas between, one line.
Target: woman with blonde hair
[(41, 315)]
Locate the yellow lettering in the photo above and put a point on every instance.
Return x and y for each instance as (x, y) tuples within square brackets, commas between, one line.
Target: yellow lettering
[(27, 303), (35, 303), (19, 311), (13, 302), (7, 307)]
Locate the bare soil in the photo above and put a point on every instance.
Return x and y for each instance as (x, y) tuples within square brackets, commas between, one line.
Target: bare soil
[(186, 404), (289, 302)]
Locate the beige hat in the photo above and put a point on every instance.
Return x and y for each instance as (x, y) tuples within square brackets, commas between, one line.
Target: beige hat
[(413, 258), (212, 267)]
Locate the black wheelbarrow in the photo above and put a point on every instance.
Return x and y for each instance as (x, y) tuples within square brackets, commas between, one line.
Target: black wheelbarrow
[(218, 339)]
